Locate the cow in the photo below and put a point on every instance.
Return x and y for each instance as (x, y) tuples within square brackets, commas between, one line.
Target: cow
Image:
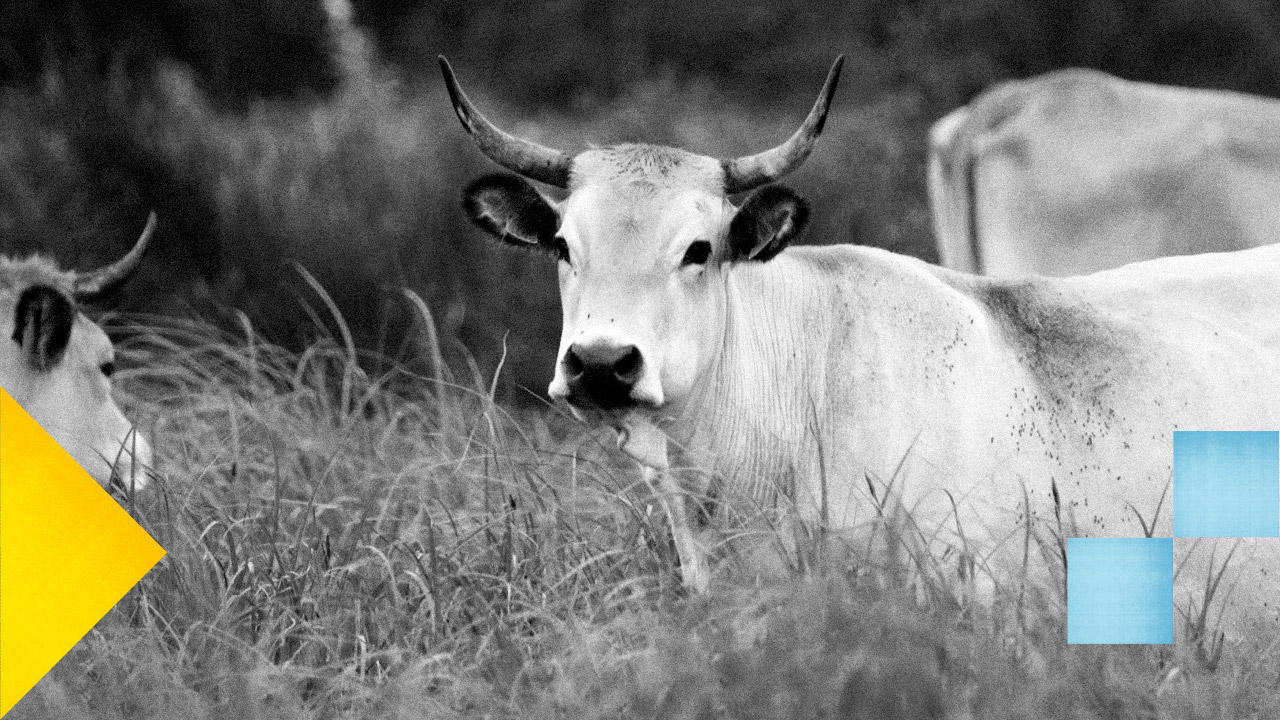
[(1077, 171), (57, 364), (826, 379)]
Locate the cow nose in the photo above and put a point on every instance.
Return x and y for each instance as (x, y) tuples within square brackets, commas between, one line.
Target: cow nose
[(623, 362), (602, 375)]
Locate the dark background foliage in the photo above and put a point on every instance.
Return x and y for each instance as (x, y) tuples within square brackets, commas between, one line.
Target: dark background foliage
[(273, 131)]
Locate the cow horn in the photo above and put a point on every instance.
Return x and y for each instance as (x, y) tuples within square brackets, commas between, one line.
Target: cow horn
[(746, 173), (105, 279), (530, 159)]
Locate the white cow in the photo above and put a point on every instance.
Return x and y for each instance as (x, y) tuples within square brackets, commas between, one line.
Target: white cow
[(797, 374), (1077, 171), (57, 364)]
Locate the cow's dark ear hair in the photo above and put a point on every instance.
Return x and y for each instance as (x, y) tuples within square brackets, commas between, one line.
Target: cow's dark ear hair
[(766, 223), (511, 209), (42, 325)]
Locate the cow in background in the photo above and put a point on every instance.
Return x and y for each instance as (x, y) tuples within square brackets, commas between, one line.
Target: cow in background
[(57, 364), (1077, 171)]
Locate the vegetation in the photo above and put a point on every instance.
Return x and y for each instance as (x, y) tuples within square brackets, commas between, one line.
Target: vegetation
[(387, 521), (347, 545)]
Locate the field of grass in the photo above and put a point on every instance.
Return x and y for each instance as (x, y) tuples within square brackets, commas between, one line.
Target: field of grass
[(344, 545), (385, 533)]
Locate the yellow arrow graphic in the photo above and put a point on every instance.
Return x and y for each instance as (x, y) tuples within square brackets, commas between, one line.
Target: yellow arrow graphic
[(68, 552)]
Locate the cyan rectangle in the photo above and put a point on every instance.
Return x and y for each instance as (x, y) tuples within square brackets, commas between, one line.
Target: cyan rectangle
[(1120, 591), (1226, 483)]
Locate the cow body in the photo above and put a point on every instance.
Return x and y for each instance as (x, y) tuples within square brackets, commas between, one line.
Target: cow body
[(1077, 171), (834, 382), (972, 400)]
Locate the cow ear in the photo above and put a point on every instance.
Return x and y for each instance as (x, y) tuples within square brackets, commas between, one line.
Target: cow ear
[(766, 223), (42, 326), (510, 208)]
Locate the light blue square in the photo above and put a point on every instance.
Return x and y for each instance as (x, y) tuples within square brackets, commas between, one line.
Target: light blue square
[(1226, 484), (1120, 590)]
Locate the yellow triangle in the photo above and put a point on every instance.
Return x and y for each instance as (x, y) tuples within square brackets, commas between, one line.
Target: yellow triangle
[(68, 552)]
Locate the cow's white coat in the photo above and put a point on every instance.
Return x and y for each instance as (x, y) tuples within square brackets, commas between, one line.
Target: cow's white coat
[(796, 379), (989, 408)]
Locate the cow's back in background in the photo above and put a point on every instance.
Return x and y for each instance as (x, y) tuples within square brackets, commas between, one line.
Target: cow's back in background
[(1076, 171)]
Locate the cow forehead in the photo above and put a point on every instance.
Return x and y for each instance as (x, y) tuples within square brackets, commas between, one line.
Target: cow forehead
[(662, 168), (631, 217), (18, 275), (632, 196)]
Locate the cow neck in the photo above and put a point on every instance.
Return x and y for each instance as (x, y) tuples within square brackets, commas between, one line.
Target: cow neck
[(815, 350), (749, 418)]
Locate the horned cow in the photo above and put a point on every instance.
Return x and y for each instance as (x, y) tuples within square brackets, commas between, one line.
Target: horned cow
[(991, 408), (57, 364)]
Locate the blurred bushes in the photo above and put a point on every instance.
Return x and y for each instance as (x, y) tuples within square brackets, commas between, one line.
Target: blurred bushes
[(271, 132), (238, 49), (1234, 44), (564, 52)]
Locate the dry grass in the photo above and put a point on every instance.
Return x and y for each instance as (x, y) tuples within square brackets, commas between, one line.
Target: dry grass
[(354, 534), (346, 545)]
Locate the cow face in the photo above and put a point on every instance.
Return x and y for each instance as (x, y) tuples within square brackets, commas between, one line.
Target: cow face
[(643, 239), (57, 364)]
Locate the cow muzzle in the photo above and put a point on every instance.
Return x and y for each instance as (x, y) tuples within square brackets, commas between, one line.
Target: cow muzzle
[(605, 376)]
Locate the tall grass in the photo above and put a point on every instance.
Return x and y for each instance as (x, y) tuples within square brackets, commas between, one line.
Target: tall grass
[(361, 525), (343, 544)]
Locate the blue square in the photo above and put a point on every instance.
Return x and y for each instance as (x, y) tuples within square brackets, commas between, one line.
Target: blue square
[(1120, 590), (1226, 484)]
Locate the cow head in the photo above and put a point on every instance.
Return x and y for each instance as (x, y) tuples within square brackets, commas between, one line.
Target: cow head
[(57, 364), (644, 239)]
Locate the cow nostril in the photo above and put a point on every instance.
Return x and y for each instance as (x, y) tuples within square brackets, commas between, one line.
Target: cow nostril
[(573, 363), (627, 367), (602, 375)]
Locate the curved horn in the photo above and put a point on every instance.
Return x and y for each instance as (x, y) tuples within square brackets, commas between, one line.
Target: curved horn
[(745, 173), (105, 279), (530, 159)]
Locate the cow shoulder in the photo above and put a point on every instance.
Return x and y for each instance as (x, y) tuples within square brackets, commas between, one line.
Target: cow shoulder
[(1072, 349)]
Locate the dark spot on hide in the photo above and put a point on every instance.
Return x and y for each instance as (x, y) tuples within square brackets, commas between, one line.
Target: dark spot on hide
[(1073, 354)]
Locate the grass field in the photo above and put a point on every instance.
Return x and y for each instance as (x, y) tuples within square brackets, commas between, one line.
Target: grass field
[(358, 534), (342, 545)]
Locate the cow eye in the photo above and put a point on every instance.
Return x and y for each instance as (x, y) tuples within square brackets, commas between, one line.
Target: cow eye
[(697, 254), (108, 368), (561, 247)]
